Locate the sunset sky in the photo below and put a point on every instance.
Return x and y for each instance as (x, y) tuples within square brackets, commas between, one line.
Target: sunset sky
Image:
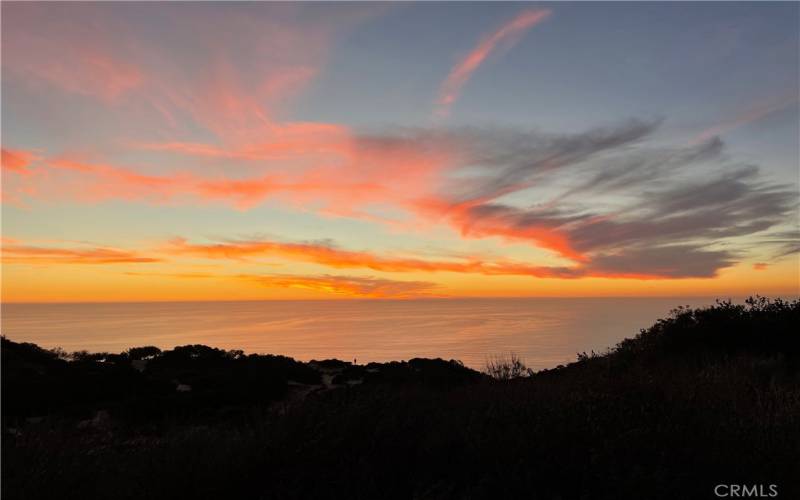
[(204, 151)]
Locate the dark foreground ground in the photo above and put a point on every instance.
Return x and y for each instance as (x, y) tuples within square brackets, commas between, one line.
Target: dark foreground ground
[(704, 398)]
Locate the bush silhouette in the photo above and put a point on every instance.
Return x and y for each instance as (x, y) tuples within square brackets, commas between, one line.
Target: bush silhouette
[(506, 368), (146, 352)]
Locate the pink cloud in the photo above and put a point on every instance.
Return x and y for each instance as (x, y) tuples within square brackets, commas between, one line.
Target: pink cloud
[(279, 141), (88, 57), (313, 166), (507, 36), (97, 182), (17, 160), (753, 114), (233, 92), (234, 81)]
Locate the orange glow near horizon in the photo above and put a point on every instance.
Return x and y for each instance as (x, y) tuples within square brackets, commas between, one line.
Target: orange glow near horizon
[(105, 275)]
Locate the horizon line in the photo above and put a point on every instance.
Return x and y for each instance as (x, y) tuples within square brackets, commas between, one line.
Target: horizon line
[(414, 299)]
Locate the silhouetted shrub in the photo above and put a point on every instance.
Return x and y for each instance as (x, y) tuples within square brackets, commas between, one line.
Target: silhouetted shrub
[(503, 367)]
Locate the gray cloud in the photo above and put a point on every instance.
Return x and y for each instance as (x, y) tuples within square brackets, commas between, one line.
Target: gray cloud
[(493, 161), (734, 204), (785, 243), (643, 167), (632, 208), (508, 160), (674, 261)]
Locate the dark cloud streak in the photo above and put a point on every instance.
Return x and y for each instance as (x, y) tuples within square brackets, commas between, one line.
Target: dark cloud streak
[(670, 211)]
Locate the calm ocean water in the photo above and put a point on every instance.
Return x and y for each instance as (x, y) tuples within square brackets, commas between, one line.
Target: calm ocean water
[(545, 332)]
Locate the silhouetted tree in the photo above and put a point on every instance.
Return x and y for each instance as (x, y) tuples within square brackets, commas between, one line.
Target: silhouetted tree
[(146, 352)]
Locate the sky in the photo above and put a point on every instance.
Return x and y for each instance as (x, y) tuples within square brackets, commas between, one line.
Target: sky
[(243, 151)]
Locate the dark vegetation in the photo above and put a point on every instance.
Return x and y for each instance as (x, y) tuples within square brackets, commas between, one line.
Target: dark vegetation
[(704, 397)]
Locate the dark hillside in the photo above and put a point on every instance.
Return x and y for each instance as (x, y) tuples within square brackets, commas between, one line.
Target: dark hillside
[(705, 397)]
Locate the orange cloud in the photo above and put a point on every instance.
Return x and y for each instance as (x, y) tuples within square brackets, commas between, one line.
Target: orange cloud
[(508, 35), (462, 217), (246, 192), (330, 165), (633, 265), (17, 160), (325, 254), (174, 275), (760, 266), (321, 166), (23, 254), (198, 149), (352, 286), (98, 182), (277, 141)]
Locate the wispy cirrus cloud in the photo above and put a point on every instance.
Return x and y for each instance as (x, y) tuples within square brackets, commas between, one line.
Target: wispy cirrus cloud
[(328, 254), (89, 58), (505, 37), (783, 243), (642, 167), (17, 253), (754, 113), (361, 173), (237, 71)]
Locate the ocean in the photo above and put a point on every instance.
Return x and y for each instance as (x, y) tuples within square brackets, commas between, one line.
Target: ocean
[(544, 332)]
